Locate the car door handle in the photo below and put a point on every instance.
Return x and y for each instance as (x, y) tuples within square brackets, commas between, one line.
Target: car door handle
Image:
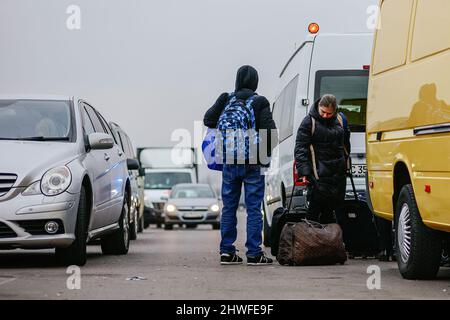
[(107, 157), (120, 153)]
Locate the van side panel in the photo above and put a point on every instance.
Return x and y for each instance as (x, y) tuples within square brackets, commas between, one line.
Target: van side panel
[(280, 173), (401, 102)]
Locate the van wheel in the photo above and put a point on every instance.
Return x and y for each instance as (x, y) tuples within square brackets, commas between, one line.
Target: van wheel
[(118, 242), (266, 229), (141, 225), (76, 254), (418, 247), (168, 226), (134, 226)]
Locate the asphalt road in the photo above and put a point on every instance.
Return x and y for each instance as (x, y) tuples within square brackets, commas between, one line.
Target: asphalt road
[(184, 264)]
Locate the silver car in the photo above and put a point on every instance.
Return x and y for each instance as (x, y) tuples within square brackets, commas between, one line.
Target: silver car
[(136, 182), (63, 179), (192, 204)]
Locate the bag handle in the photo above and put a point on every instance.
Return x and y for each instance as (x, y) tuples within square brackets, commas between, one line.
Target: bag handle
[(311, 148), (347, 154), (313, 224), (292, 196), (353, 185)]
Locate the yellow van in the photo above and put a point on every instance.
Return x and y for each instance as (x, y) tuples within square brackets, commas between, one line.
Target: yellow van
[(408, 130)]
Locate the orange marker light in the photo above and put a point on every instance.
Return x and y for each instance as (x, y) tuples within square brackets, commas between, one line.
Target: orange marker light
[(313, 28)]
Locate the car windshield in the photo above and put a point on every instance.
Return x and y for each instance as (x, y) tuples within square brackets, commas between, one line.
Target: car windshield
[(350, 88), (37, 120), (165, 180), (190, 192)]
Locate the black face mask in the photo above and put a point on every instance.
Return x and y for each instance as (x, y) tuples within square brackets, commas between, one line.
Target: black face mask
[(328, 121)]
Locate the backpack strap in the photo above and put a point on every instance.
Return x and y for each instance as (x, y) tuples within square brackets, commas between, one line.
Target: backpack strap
[(311, 148), (347, 155)]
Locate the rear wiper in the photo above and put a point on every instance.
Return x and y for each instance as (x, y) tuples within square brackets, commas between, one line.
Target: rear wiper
[(38, 138)]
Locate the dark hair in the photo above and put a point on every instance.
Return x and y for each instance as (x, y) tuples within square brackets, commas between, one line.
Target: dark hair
[(328, 100)]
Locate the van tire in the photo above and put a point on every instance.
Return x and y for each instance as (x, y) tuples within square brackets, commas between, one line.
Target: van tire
[(118, 243), (134, 226), (424, 256), (76, 253), (216, 226), (168, 226), (141, 225)]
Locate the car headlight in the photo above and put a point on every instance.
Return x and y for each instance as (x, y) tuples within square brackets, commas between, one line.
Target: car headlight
[(56, 181), (171, 208), (215, 208)]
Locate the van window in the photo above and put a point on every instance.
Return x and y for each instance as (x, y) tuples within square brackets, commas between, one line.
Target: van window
[(276, 113), (431, 30), (284, 109), (350, 88), (165, 180), (392, 38)]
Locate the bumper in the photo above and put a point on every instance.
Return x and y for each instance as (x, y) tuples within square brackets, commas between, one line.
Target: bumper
[(21, 218), (201, 218)]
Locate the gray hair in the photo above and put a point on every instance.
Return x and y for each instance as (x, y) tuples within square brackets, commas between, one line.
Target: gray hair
[(328, 100)]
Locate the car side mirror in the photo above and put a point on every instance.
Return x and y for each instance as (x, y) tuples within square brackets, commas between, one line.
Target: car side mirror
[(142, 172), (164, 198), (100, 141), (132, 164)]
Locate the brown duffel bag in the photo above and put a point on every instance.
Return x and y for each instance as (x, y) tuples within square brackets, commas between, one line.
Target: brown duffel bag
[(309, 243)]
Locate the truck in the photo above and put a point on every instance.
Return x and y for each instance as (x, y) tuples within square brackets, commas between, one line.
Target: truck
[(164, 167)]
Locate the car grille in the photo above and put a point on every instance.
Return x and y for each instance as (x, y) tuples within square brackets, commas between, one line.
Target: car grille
[(193, 209), (6, 232), (192, 218), (37, 227), (7, 180)]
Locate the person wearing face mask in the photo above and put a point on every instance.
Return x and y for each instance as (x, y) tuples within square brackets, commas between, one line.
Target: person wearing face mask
[(321, 154)]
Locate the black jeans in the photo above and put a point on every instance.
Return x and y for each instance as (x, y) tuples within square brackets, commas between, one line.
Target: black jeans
[(320, 209), (324, 196)]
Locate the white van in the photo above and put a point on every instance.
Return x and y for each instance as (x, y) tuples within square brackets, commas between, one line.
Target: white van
[(324, 63), (164, 168)]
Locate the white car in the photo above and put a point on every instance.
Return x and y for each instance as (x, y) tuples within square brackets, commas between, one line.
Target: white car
[(192, 204)]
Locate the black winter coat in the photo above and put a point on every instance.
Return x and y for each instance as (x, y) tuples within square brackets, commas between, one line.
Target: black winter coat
[(328, 143)]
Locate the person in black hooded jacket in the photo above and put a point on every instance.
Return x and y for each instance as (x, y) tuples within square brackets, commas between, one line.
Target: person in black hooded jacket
[(250, 175), (246, 84), (326, 170)]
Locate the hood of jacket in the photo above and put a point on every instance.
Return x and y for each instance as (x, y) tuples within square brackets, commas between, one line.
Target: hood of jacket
[(314, 112), (247, 78)]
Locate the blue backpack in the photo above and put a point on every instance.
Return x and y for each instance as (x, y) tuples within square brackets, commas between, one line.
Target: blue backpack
[(237, 126), (235, 135)]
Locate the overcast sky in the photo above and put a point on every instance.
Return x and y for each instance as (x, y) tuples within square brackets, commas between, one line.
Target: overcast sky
[(156, 65)]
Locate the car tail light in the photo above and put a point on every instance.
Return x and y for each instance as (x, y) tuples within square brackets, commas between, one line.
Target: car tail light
[(295, 177)]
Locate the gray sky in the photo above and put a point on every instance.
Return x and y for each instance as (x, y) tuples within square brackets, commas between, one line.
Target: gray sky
[(154, 66)]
